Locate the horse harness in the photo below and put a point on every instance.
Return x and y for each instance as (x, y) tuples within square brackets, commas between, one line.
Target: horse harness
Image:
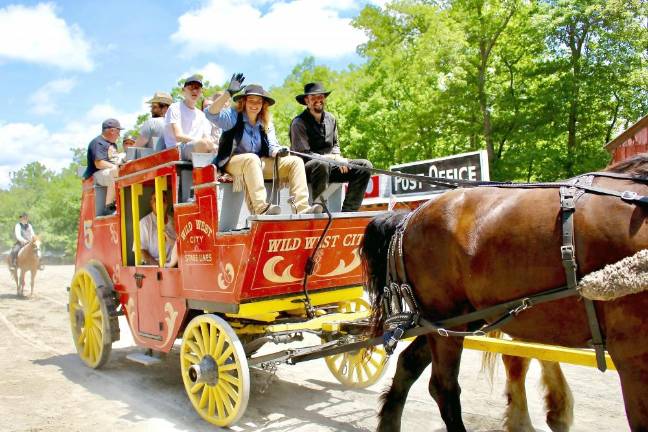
[(401, 311)]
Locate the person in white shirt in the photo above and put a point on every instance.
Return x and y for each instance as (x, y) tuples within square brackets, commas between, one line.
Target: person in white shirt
[(185, 125), (23, 233), (149, 236)]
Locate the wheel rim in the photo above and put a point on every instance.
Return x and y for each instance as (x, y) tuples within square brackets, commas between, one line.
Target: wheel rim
[(361, 368), (214, 370), (88, 320)]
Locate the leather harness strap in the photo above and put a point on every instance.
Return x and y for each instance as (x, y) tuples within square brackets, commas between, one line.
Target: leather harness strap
[(568, 198)]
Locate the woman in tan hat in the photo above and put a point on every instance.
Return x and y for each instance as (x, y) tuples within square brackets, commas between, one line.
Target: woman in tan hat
[(249, 144)]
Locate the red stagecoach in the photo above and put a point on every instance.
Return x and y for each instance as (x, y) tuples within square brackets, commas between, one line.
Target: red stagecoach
[(239, 283)]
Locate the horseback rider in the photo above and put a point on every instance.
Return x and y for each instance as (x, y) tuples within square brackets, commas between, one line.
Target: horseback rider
[(24, 233)]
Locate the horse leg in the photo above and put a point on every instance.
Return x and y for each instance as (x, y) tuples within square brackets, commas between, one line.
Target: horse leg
[(516, 417), (21, 283), (444, 383), (411, 364), (33, 277), (559, 401)]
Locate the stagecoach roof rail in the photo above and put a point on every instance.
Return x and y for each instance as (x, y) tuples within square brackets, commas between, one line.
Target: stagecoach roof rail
[(154, 168)]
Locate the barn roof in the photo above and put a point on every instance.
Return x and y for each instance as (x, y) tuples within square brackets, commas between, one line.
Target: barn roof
[(628, 133)]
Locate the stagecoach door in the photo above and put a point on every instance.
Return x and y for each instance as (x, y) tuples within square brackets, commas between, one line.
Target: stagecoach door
[(145, 279)]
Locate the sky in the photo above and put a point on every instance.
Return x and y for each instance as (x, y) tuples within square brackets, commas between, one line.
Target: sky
[(65, 66)]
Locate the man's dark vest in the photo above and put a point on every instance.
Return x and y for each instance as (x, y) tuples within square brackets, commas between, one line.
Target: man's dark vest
[(230, 139), (316, 134), (24, 230)]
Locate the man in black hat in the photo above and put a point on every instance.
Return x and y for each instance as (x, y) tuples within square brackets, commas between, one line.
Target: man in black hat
[(100, 151), (315, 131)]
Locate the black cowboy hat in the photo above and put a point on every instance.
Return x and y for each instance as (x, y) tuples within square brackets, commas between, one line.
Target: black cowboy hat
[(310, 89), (255, 90)]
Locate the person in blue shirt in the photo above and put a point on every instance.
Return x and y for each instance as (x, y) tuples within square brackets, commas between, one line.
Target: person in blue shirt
[(248, 146)]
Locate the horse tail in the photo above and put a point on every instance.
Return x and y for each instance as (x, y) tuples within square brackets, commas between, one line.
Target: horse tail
[(373, 250), (489, 358)]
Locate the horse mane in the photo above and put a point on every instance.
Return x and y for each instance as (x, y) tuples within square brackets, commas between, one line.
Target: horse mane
[(373, 250), (636, 166)]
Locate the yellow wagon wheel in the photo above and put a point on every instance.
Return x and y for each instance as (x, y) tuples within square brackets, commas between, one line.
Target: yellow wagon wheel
[(214, 370), (361, 368), (90, 319)]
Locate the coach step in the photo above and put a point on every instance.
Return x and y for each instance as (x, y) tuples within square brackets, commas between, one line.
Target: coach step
[(147, 359)]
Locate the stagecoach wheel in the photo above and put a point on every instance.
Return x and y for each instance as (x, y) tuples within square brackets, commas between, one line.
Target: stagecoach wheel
[(361, 368), (90, 320), (214, 370)]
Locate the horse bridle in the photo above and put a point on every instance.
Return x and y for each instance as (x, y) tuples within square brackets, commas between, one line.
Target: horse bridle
[(401, 311)]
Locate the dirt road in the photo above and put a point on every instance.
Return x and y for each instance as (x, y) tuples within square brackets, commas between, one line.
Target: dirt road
[(45, 387)]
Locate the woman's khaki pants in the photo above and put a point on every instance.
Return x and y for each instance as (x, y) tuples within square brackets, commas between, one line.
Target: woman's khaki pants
[(253, 170)]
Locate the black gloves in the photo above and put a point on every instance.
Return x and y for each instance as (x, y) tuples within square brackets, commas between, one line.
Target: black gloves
[(235, 84), (283, 151)]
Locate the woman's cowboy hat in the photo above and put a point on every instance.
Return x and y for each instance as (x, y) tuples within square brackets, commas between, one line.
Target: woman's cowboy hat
[(310, 89), (255, 90)]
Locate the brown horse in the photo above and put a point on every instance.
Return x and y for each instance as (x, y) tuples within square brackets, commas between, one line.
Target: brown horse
[(469, 249), (28, 260)]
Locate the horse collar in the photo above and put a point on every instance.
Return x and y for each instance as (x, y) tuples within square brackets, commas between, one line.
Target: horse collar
[(399, 304)]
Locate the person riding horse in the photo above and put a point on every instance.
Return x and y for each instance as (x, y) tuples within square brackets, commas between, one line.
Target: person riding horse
[(24, 233)]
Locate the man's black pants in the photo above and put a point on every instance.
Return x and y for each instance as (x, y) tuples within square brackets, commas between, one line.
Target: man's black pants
[(319, 174)]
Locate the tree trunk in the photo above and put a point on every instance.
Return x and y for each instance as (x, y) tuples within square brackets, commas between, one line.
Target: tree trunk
[(576, 42)]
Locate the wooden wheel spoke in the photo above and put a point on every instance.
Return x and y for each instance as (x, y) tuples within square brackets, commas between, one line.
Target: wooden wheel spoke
[(194, 348), (359, 372), (230, 379), (211, 404), (374, 362), (219, 345), (227, 367), (229, 351), (204, 334), (81, 296), (204, 397), (227, 402), (227, 388), (220, 407), (366, 369), (196, 387), (191, 358), (94, 304), (199, 341), (213, 337)]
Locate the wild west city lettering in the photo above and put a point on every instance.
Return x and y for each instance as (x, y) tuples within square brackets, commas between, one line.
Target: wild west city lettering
[(200, 226), (293, 243)]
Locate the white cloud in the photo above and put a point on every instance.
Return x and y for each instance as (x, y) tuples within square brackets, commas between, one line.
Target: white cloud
[(213, 73), (43, 100), (23, 143), (289, 27), (37, 35)]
